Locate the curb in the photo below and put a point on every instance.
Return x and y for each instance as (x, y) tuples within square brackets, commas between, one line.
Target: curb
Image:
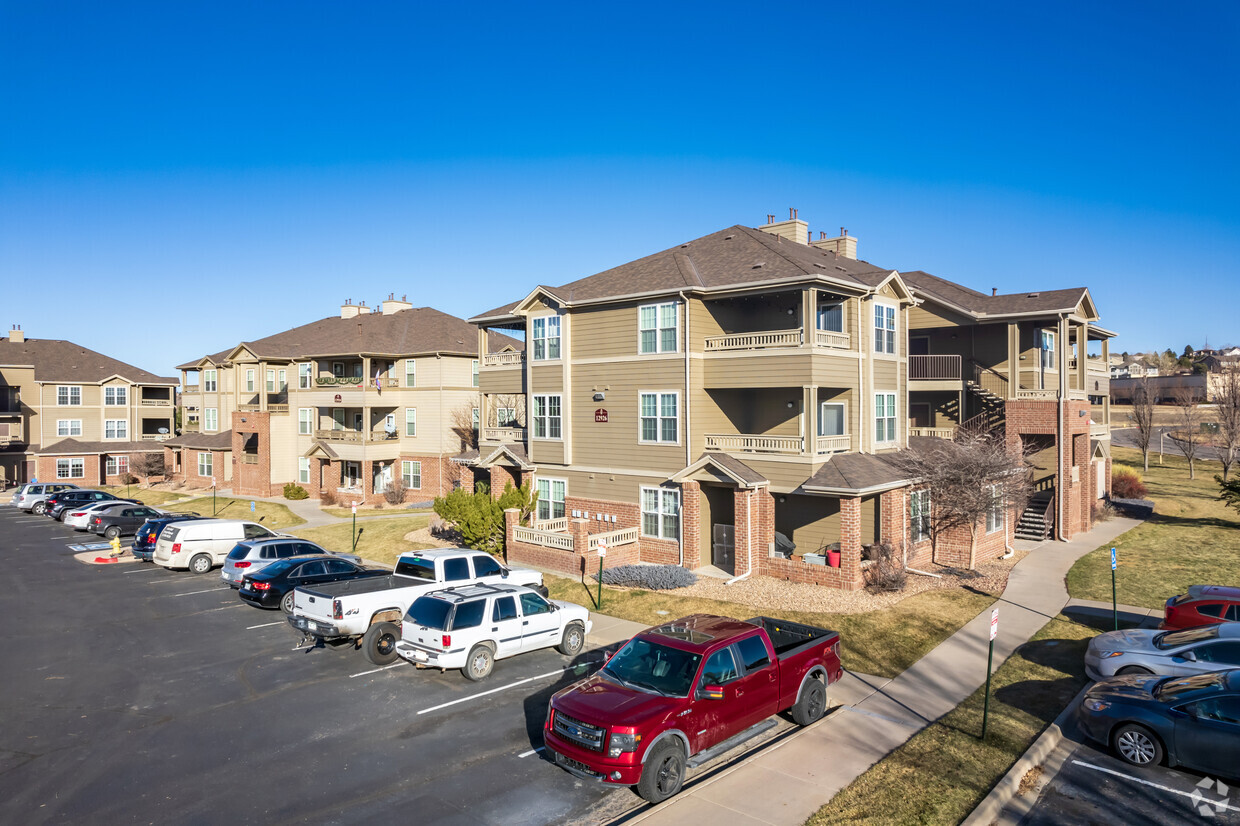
[(987, 812)]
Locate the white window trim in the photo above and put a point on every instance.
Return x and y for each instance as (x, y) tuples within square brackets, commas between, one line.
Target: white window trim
[(551, 482), (534, 418), (996, 504), (305, 375), (308, 421), (894, 415), (282, 385), (475, 372), (1053, 367), (117, 426), (895, 329), (69, 388), (843, 305), (211, 419), (411, 372), (406, 476), (660, 494), (411, 421), (271, 381), (117, 390), (68, 423), (213, 381), (69, 468), (559, 337), (916, 535), (210, 463), (658, 328), (303, 470), (658, 394), (843, 418), (112, 466)]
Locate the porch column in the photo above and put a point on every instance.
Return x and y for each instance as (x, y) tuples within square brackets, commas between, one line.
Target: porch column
[(1013, 359), (809, 323), (1061, 345), (1082, 356), (691, 523), (809, 420), (850, 538)]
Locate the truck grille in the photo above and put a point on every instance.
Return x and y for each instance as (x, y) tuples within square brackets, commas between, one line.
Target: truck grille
[(579, 732)]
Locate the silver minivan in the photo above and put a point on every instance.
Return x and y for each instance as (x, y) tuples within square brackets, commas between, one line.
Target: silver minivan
[(204, 543)]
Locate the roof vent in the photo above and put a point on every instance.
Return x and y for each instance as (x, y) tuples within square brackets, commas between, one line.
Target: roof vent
[(728, 237), (759, 265), (820, 265), (1033, 295)]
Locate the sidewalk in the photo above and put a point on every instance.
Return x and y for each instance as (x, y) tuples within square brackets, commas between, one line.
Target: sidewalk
[(790, 781)]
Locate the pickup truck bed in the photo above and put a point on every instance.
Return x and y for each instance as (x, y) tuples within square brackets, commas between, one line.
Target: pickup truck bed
[(789, 637), (369, 585)]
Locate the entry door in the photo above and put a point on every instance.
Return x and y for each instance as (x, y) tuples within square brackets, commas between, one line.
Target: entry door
[(337, 418), (1100, 475), (357, 422), (352, 473), (383, 477), (723, 548)]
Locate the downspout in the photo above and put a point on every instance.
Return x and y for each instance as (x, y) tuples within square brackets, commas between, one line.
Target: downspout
[(688, 427), (748, 539)]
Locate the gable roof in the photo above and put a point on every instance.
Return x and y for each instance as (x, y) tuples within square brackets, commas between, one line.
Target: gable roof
[(725, 467), (735, 257), (399, 334), (55, 360), (977, 305)]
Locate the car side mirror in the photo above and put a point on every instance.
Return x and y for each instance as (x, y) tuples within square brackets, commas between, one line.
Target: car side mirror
[(711, 692), (1191, 656), (503, 572)]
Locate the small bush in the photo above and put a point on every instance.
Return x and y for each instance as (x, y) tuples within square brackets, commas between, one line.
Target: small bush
[(395, 493), (1102, 511), (326, 498), (295, 491), (1126, 484), (886, 571), (653, 577), (128, 479)]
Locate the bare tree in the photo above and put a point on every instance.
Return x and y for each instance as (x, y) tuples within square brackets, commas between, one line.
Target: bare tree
[(506, 410), (147, 465), (1227, 415), (1142, 417), (967, 478), (1189, 436), (461, 422), (395, 492)]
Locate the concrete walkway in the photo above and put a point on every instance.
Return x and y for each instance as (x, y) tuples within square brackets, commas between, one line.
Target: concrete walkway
[(787, 783)]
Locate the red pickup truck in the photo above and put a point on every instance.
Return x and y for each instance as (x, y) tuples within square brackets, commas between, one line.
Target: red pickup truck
[(680, 694)]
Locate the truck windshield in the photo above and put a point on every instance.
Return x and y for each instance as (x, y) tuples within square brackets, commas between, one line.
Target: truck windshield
[(429, 613), (652, 667), (416, 567)]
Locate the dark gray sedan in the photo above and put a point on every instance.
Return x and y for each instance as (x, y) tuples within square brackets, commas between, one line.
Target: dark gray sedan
[(123, 521)]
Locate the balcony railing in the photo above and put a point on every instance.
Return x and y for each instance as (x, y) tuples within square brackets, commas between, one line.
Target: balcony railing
[(190, 388), (1099, 429), (503, 434), (1036, 395), (249, 408), (191, 427), (559, 525), (1093, 364), (936, 432), (934, 368), (546, 539), (505, 359), (830, 338), (833, 444), (622, 536), (249, 458), (155, 437), (754, 341), (277, 408), (354, 381), (357, 436), (156, 403), (741, 443)]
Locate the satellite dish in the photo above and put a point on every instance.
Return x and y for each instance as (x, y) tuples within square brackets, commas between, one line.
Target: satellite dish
[(163, 430)]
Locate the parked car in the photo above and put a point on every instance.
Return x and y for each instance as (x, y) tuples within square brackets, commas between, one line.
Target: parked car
[(688, 690), (473, 626), (144, 540), (1202, 605), (33, 496), (57, 503), (1173, 653), (252, 555), (202, 544), (121, 521), (79, 517), (1184, 721), (272, 586), (17, 493), (371, 610)]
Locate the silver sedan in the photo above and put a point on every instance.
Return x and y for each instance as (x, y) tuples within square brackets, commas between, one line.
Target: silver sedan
[(1173, 653)]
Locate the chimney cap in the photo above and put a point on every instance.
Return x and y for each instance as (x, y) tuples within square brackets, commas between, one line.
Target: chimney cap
[(994, 291)]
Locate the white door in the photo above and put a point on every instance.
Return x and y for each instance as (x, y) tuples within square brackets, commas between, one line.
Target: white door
[(1100, 474), (337, 419), (383, 477), (506, 627), (540, 625)]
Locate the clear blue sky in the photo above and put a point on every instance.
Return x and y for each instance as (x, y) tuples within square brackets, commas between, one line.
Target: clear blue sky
[(175, 177)]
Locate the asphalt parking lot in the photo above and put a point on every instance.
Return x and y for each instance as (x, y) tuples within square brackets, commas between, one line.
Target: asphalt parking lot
[(138, 694)]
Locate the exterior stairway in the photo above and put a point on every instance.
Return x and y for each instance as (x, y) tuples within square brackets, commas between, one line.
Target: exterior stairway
[(1037, 520)]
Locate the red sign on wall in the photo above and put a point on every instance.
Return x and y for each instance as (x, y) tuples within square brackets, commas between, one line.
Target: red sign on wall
[(600, 415)]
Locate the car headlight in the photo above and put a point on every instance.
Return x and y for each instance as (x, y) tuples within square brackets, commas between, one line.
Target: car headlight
[(1106, 655), (618, 744), (1095, 705)]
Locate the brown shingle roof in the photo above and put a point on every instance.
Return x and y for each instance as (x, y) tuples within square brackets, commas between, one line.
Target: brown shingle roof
[(855, 472), (208, 441), (55, 360), (941, 290), (73, 447)]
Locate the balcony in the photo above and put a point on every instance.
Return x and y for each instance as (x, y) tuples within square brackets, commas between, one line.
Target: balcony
[(509, 435), (1099, 430), (776, 339), (156, 403), (190, 388), (354, 381), (505, 359), (776, 445), (832, 444), (249, 458), (355, 436), (1093, 364), (155, 437), (191, 427), (935, 432)]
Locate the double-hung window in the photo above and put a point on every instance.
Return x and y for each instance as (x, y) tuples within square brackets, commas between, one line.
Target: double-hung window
[(659, 419), (249, 381), (116, 429), (475, 368), (1048, 350), (919, 515), (283, 381), (305, 376), (303, 470), (546, 338), (205, 464), (884, 417), (506, 417), (117, 465), (305, 421), (69, 427), (994, 516), (70, 468), (884, 328), (551, 498), (547, 417), (474, 419), (209, 381), (115, 396), (657, 325), (411, 373), (411, 474), (411, 421), (661, 513), (271, 381), (68, 396), (211, 419)]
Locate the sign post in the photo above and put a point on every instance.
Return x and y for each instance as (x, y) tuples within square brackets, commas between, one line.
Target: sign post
[(602, 552), (990, 659), (213, 511), (1114, 603), (355, 527)]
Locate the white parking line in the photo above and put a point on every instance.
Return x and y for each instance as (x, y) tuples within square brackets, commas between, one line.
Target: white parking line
[(190, 593), (1218, 804), (265, 625), (495, 690), (377, 670), (531, 751)]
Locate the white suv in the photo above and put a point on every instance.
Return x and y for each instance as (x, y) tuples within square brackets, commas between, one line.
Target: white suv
[(473, 626)]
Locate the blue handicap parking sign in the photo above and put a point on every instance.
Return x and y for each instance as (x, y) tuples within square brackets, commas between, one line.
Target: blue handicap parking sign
[(251, 506), (1112, 559)]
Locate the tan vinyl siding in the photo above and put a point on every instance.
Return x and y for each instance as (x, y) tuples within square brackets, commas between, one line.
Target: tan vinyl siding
[(508, 381), (615, 443), (887, 374), (869, 520), (548, 378)]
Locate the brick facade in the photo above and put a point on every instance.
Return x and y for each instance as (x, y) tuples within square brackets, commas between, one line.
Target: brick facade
[(1073, 507), (252, 472)]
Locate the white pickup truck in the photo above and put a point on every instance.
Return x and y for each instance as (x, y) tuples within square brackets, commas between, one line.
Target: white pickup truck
[(370, 610)]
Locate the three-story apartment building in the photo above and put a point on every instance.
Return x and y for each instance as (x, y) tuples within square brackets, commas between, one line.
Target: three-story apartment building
[(689, 406), (69, 413), (344, 406)]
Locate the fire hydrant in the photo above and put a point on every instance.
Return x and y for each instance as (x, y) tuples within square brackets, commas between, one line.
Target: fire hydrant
[(116, 546)]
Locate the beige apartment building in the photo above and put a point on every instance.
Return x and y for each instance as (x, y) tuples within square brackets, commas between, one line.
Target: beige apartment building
[(689, 406), (345, 406), (68, 413)]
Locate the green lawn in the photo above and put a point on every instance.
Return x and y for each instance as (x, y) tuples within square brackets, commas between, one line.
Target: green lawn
[(364, 513), (380, 540), (1192, 539), (270, 514), (945, 770), (148, 496), (882, 642)]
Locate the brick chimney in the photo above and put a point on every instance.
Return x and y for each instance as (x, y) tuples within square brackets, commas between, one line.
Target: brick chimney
[(843, 245), (794, 229), (16, 336), (394, 305)]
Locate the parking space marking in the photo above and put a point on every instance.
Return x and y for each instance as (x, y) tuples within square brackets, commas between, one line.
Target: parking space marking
[(495, 690), (377, 670), (531, 751), (1212, 802), (191, 593), (265, 625)]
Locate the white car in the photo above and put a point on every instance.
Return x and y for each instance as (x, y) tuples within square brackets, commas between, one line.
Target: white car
[(473, 626), (78, 518)]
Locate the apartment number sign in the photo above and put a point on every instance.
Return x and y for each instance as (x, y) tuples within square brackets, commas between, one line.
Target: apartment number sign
[(600, 415)]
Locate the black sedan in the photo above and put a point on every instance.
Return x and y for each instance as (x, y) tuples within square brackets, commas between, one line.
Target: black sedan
[(272, 587), (58, 503), (117, 521), (1186, 721)]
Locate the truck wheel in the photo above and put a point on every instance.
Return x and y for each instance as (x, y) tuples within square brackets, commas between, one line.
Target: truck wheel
[(379, 644), (478, 666), (40, 508), (812, 704), (286, 604), (574, 639), (200, 564), (111, 532), (664, 772)]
